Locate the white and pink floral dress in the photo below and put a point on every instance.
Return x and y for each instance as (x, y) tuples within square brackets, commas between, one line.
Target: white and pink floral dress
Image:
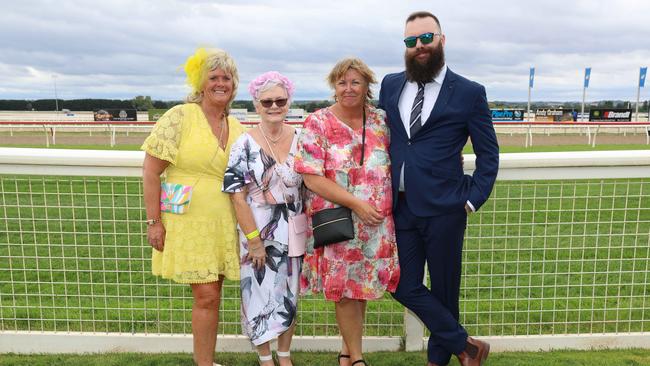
[(366, 266)]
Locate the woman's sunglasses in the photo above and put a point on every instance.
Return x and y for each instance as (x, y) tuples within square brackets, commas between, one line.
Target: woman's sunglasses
[(425, 38), (268, 103)]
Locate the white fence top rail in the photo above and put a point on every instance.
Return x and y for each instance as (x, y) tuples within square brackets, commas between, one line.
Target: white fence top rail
[(513, 166)]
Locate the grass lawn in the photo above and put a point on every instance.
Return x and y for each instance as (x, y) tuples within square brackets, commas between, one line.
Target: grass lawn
[(558, 148), (467, 150), (557, 358), (541, 257), (79, 147), (554, 257)]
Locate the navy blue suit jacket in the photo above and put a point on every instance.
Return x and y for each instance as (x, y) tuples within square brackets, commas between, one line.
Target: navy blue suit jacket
[(434, 180)]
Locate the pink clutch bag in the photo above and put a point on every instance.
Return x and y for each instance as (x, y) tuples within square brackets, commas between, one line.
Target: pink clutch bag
[(297, 235)]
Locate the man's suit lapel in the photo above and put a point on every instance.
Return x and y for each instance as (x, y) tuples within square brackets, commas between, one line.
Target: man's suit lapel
[(446, 90), (398, 124)]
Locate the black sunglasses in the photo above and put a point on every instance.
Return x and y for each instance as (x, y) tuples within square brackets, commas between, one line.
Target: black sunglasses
[(425, 38), (268, 103)]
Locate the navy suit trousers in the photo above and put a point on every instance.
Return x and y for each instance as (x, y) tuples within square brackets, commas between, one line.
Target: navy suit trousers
[(438, 240)]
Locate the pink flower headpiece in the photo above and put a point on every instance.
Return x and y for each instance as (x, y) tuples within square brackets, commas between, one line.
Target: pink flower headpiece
[(274, 76)]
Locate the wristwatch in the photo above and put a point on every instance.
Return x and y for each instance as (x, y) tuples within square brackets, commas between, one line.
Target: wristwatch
[(151, 222)]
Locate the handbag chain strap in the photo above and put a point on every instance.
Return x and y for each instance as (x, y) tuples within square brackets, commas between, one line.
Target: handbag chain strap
[(363, 137)]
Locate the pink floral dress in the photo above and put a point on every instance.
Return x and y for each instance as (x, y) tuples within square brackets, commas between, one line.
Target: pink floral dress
[(366, 266)]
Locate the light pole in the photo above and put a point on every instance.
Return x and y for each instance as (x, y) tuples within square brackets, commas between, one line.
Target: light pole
[(531, 80), (56, 98)]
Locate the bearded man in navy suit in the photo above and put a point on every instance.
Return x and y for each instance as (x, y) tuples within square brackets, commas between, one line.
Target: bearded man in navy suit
[(432, 112)]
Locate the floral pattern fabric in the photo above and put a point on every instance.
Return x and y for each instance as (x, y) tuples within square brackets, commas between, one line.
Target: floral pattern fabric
[(201, 244), (269, 295), (366, 266)]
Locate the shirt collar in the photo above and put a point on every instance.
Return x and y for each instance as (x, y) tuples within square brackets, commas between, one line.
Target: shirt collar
[(441, 75)]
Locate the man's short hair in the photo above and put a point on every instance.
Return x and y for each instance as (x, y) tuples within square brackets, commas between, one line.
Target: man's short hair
[(422, 14)]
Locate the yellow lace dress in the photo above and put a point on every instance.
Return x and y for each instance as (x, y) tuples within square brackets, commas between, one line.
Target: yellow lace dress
[(200, 245)]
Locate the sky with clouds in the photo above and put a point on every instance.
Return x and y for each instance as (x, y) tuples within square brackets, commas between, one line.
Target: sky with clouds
[(122, 48)]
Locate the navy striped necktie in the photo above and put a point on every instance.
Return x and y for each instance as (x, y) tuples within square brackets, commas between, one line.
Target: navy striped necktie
[(416, 111)]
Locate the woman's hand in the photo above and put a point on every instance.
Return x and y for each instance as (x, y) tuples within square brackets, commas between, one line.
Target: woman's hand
[(369, 215), (156, 236), (256, 252)]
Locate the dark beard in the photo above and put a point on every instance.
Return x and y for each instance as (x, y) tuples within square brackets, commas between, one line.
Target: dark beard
[(425, 73)]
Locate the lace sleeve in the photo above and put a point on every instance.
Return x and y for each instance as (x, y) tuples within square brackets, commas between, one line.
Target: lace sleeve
[(165, 138)]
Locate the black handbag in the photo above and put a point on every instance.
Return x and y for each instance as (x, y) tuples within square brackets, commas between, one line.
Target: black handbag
[(334, 225)]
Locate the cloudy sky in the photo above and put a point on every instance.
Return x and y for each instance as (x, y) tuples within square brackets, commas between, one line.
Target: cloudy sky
[(123, 48)]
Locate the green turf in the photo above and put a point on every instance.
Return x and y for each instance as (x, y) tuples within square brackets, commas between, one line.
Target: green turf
[(550, 257), (80, 147), (467, 150), (634, 357), (559, 148)]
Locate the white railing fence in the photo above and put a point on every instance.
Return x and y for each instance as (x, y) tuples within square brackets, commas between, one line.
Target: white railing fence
[(113, 132), (558, 258)]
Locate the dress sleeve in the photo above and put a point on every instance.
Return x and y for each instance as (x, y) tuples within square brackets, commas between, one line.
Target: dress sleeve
[(312, 147), (238, 172), (383, 123), (165, 138)]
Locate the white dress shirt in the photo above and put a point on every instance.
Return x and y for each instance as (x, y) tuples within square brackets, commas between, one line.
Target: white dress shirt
[(410, 90)]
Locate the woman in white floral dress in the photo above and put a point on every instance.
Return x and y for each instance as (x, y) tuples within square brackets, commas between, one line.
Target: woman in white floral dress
[(265, 192)]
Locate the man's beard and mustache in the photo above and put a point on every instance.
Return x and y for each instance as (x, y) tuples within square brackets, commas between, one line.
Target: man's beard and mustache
[(426, 72)]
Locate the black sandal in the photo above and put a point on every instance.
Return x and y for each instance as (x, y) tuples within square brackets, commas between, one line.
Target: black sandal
[(357, 361), (340, 356)]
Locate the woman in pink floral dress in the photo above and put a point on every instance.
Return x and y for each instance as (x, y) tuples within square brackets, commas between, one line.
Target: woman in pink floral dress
[(329, 157)]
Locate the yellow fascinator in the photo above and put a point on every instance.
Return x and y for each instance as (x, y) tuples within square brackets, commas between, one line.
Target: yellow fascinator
[(195, 69)]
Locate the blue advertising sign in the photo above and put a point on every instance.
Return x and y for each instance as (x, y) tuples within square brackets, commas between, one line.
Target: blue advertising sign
[(507, 115), (587, 76), (642, 73), (532, 77)]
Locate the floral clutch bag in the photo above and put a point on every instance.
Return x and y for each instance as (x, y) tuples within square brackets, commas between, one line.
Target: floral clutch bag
[(175, 198)]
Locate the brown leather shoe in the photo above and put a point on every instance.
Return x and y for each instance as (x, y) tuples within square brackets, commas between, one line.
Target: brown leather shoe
[(475, 353)]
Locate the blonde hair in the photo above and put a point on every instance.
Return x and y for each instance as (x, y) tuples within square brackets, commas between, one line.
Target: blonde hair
[(352, 63), (201, 63)]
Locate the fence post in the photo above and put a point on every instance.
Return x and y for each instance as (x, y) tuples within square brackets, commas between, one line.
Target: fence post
[(414, 332), (593, 139), (413, 327), (47, 136)]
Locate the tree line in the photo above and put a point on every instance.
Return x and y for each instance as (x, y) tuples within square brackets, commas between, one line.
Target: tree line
[(141, 103), (144, 103), (82, 104)]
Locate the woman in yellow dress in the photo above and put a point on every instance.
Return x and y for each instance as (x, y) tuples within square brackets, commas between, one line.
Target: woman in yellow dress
[(190, 145)]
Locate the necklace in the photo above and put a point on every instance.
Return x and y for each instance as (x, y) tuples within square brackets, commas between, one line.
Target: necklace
[(220, 138), (267, 138), (223, 127)]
